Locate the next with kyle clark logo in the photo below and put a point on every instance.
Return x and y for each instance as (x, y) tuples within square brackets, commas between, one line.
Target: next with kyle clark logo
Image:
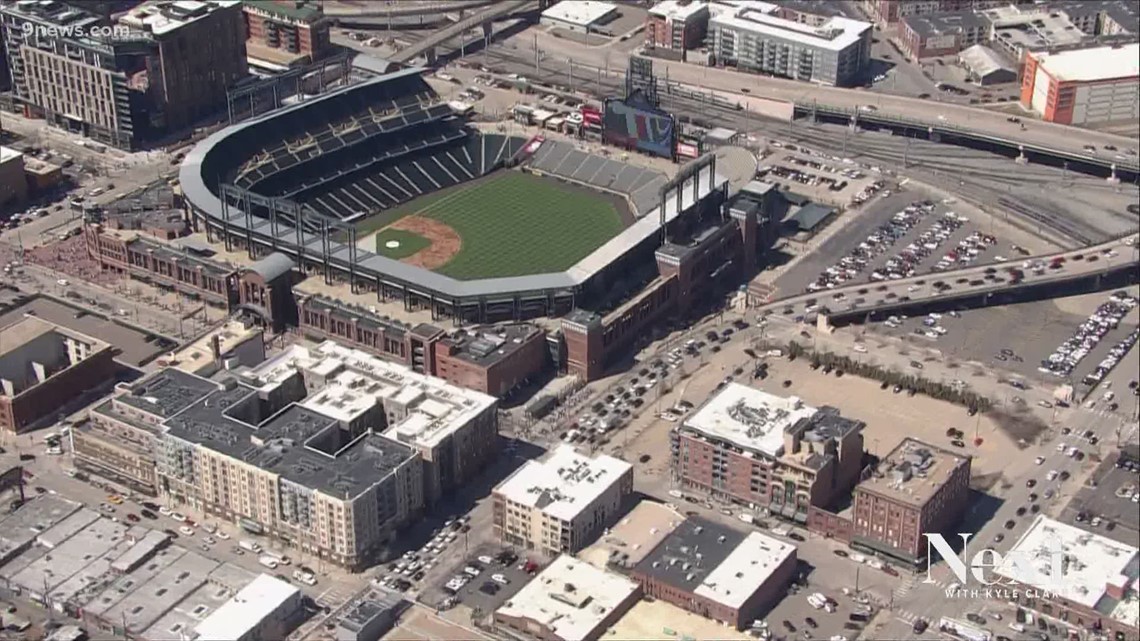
[(984, 572)]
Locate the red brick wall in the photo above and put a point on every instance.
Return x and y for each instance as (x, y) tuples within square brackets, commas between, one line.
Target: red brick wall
[(42, 400)]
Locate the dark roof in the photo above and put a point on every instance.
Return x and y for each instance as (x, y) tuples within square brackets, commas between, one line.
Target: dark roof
[(300, 445), (937, 24), (583, 317), (488, 346), (168, 392), (364, 318), (811, 215), (303, 11), (692, 551), (272, 266)]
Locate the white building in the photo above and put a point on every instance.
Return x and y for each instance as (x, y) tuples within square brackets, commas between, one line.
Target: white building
[(266, 609), (563, 503), (1083, 86), (750, 418), (583, 16), (748, 36), (570, 600)]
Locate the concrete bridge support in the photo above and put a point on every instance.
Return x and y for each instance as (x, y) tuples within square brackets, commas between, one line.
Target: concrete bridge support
[(1113, 179), (1021, 159)]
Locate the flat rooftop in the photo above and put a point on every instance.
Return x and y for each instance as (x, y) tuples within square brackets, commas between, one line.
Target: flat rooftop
[(166, 393), (485, 347), (715, 561), (35, 517), (241, 614), (913, 472), (674, 10), (749, 418), (633, 537), (199, 354), (572, 597), (132, 346), (1090, 562), (299, 444), (161, 18), (1093, 64), (433, 409), (580, 12), (836, 34), (565, 483), (32, 350), (938, 24)]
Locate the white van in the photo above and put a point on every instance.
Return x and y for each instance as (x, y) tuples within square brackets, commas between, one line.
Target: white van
[(268, 562), (250, 546)]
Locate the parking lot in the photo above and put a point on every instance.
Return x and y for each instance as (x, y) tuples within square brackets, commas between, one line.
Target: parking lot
[(1111, 497), (795, 617), (482, 580), (823, 179)]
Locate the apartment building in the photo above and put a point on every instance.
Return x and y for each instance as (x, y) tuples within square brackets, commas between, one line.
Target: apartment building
[(122, 436), (561, 504), (917, 489), (941, 34), (164, 66), (836, 52), (888, 13), (285, 33), (329, 450), (42, 367), (758, 449), (199, 54), (676, 25)]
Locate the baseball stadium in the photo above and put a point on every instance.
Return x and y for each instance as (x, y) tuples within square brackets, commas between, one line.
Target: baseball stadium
[(381, 185)]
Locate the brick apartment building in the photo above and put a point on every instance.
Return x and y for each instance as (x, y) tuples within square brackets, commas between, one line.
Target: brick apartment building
[(676, 25), (887, 13), (42, 366), (917, 489), (942, 34), (757, 449), (285, 33)]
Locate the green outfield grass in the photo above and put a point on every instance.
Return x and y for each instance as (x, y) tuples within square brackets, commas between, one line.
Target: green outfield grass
[(514, 223), (410, 243)]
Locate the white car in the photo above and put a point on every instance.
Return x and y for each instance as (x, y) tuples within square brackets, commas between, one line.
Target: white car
[(1039, 460), (1051, 475), (499, 578), (178, 516), (222, 535), (472, 571), (187, 531), (486, 560)]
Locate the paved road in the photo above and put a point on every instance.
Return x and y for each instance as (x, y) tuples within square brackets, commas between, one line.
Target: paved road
[(1039, 133), (880, 294)]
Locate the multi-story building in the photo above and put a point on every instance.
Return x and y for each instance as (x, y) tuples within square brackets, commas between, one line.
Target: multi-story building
[(1095, 594), (232, 345), (676, 25), (888, 12), (1083, 86), (329, 450), (941, 34), (285, 33), (13, 182), (717, 572), (199, 54), (493, 360), (164, 66), (563, 503), (836, 52), (762, 450), (42, 366), (917, 489), (120, 439)]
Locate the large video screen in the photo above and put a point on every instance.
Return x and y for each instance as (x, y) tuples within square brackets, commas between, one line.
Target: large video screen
[(649, 131)]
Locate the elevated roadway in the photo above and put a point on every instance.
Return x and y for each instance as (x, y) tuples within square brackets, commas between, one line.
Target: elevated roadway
[(427, 46), (337, 10), (1022, 145), (1111, 263)]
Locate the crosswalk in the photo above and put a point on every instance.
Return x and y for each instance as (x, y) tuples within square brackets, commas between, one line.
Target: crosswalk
[(334, 596)]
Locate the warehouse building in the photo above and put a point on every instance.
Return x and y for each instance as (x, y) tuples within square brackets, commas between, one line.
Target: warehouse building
[(570, 600), (717, 572), (1083, 86), (583, 16)]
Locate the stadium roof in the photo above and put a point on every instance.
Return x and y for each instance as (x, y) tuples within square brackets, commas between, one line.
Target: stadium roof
[(419, 280)]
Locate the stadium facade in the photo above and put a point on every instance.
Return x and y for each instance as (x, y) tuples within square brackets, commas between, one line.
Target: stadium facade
[(298, 180)]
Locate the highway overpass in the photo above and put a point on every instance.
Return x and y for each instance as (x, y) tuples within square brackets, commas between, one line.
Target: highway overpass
[(1111, 264), (485, 19), (1014, 143)]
